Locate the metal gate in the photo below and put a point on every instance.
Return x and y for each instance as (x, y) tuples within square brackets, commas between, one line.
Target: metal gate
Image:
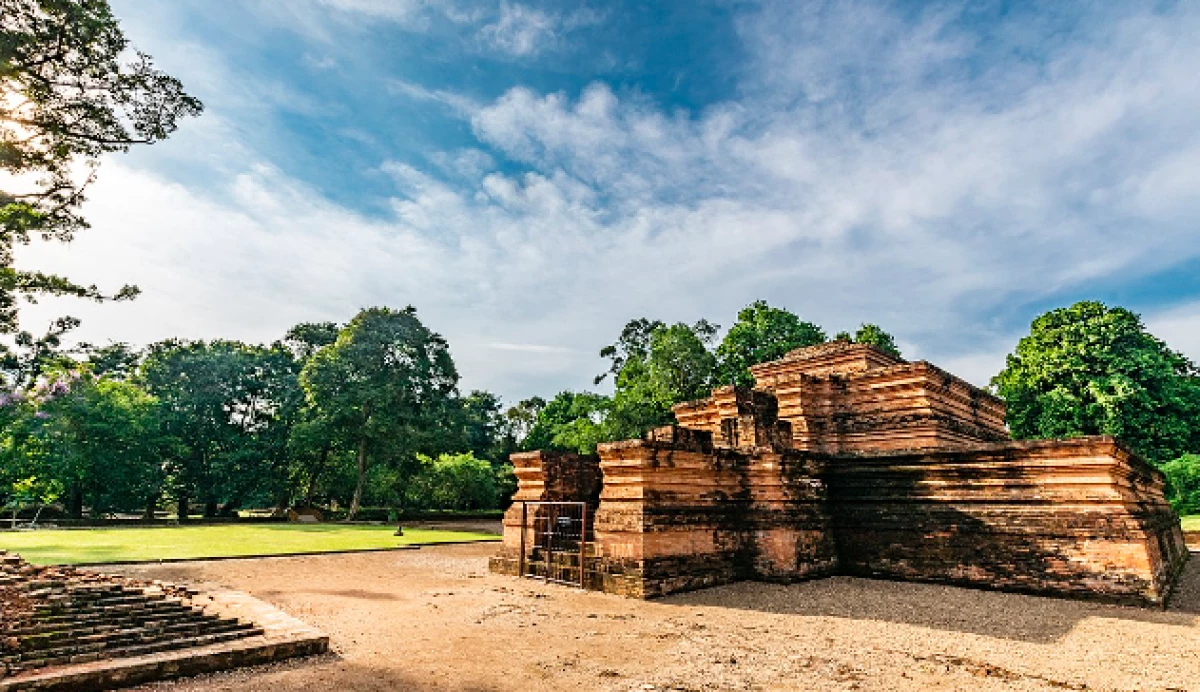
[(554, 538)]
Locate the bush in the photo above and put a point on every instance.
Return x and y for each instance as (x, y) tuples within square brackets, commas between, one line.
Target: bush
[(1183, 483), (453, 481)]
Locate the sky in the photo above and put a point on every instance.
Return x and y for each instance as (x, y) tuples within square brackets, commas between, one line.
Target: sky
[(532, 175)]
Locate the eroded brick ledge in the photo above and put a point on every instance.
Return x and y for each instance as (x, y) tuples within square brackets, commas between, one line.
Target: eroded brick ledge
[(74, 630)]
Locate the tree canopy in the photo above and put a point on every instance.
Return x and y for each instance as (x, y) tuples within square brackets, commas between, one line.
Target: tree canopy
[(71, 90), (384, 386), (762, 333), (1089, 369)]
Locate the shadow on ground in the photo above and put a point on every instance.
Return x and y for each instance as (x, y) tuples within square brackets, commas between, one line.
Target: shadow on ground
[(1037, 619)]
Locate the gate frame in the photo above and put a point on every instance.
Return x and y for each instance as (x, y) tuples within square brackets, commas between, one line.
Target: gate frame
[(583, 542)]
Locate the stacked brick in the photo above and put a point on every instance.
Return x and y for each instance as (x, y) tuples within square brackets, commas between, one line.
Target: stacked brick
[(60, 616), (846, 460)]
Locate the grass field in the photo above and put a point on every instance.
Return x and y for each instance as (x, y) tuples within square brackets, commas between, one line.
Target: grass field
[(1191, 522), (81, 546)]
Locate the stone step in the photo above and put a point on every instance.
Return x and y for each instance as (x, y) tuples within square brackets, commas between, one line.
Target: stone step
[(135, 638), (67, 623)]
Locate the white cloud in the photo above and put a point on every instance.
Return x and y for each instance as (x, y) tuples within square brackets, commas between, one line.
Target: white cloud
[(1179, 327), (863, 175), (525, 31)]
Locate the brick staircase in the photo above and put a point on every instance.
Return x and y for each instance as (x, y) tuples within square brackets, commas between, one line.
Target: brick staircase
[(53, 616)]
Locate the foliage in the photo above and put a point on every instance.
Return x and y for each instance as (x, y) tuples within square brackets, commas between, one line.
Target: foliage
[(99, 438), (674, 365), (571, 421), (385, 387), (875, 336), (66, 99), (1089, 369), (224, 409), (452, 481), (1183, 483), (760, 334)]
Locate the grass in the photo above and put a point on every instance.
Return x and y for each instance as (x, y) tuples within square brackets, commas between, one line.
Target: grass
[(1191, 522), (84, 546)]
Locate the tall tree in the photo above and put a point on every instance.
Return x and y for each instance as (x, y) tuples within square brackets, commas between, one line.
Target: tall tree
[(675, 366), (1089, 369), (762, 333), (98, 436), (384, 386), (67, 97), (571, 421), (219, 402)]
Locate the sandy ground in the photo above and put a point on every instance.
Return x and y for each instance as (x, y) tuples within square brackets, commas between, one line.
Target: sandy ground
[(435, 619)]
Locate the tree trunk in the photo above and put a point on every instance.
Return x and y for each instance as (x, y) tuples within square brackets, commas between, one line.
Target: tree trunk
[(75, 504), (315, 477), (151, 507), (210, 509), (183, 507), (362, 480)]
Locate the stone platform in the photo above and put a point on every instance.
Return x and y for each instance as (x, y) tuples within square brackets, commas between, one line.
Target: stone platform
[(68, 629)]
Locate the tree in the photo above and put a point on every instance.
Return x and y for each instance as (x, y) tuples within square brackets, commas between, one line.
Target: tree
[(875, 336), (67, 98), (98, 440), (306, 338), (1183, 483), (571, 421), (761, 334), (1089, 370), (221, 403), (483, 427), (453, 481), (520, 418), (674, 366), (384, 386)]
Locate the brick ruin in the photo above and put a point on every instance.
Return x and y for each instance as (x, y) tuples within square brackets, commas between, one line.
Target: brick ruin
[(846, 460), (76, 630)]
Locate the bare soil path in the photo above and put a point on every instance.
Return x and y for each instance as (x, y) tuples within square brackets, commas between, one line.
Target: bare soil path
[(435, 619)]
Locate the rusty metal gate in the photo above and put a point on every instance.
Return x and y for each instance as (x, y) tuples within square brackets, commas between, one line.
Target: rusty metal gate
[(554, 538)]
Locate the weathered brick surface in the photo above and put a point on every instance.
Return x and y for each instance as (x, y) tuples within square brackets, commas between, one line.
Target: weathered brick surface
[(79, 630), (844, 459)]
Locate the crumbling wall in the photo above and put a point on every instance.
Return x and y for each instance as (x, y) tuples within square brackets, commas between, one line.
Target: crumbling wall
[(544, 476), (1078, 517), (680, 512)]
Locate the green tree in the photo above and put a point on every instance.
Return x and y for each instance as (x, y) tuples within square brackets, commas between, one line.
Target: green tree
[(385, 386), (66, 99), (97, 437), (452, 481), (571, 421), (674, 366), (220, 405), (761, 334), (1088, 370), (1183, 483), (875, 336), (520, 418), (483, 427)]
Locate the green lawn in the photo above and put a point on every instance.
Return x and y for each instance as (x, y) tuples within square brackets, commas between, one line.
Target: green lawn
[(1191, 522), (77, 546)]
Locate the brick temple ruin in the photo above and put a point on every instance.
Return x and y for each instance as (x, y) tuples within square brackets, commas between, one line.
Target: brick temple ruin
[(843, 459)]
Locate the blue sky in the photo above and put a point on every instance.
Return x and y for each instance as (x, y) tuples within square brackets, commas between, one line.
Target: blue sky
[(532, 175)]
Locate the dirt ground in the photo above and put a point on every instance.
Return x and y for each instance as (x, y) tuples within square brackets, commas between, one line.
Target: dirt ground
[(435, 619)]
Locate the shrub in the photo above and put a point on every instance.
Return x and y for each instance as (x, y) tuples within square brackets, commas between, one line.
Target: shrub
[(453, 481), (1183, 483)]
